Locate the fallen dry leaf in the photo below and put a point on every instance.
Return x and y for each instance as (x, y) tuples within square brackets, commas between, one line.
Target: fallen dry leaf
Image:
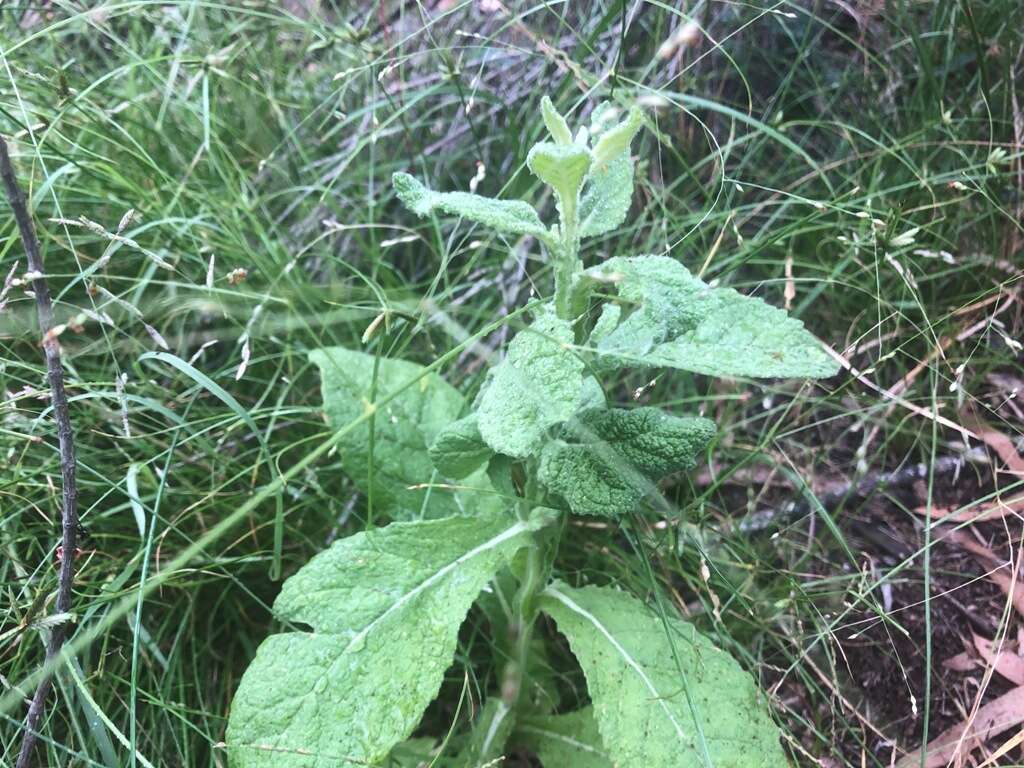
[(1006, 662), (976, 513), (990, 720), (962, 662), (996, 568)]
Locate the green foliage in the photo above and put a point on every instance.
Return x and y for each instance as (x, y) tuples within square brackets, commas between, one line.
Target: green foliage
[(459, 450), (512, 216), (609, 190), (384, 608), (263, 136), (536, 386), (571, 739), (606, 201), (540, 442), (664, 696), (667, 318), (606, 460), (555, 123), (402, 430)]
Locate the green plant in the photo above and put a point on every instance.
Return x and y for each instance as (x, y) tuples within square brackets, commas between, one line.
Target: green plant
[(482, 498)]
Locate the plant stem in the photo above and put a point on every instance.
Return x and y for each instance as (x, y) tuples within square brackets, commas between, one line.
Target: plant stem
[(65, 440), (524, 610), (567, 263), (565, 269), (521, 627)]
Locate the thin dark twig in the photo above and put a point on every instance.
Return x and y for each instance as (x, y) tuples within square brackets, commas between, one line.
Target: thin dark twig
[(777, 517), (65, 439)]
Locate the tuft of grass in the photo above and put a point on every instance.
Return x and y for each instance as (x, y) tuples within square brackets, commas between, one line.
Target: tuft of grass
[(860, 163)]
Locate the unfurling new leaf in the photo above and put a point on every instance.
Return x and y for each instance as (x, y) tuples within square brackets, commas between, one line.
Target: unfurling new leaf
[(606, 460), (555, 123), (563, 167), (615, 141)]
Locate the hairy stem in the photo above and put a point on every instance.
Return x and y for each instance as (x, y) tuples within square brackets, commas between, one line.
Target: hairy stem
[(524, 602), (565, 271), (521, 627), (567, 262)]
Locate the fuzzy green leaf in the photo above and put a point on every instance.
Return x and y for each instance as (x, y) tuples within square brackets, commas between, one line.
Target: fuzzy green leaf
[(513, 216), (537, 385), (671, 319), (615, 141), (403, 428), (592, 394), (458, 450), (384, 609), (607, 460), (609, 187), (664, 696), (563, 167), (566, 740), (556, 125), (607, 196), (412, 753), (487, 738)]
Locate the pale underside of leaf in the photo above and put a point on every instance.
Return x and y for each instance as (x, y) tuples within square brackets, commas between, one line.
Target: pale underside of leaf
[(513, 216), (671, 319), (385, 608), (537, 385), (490, 732), (664, 696)]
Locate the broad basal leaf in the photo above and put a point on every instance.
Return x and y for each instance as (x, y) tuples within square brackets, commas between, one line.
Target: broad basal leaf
[(607, 460), (671, 319), (663, 695), (403, 428), (564, 741), (592, 395), (513, 216), (384, 609), (459, 450), (536, 386)]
